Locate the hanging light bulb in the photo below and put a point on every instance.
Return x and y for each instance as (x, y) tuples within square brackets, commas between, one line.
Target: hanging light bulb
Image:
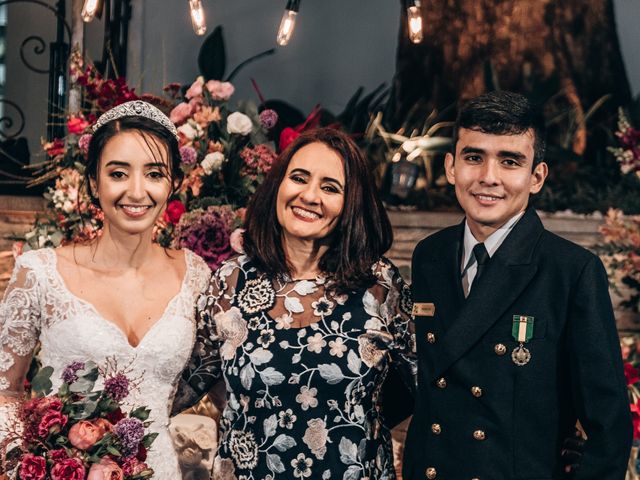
[(89, 10), (288, 22), (198, 21), (414, 18)]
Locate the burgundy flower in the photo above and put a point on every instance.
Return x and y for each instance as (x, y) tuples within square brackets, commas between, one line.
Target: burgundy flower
[(188, 155), (174, 211), (68, 469), (268, 118), (69, 374), (631, 374), (52, 422), (117, 387), (32, 467), (129, 432)]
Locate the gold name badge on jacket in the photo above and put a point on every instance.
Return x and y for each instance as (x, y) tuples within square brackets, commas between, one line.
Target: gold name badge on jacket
[(423, 310)]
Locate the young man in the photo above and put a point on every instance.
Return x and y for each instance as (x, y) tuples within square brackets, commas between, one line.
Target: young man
[(515, 332)]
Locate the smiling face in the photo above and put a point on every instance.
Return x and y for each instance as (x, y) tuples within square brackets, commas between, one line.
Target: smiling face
[(132, 185), (311, 196), (493, 177)]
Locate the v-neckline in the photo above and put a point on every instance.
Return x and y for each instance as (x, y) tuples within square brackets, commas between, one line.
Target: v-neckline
[(112, 324)]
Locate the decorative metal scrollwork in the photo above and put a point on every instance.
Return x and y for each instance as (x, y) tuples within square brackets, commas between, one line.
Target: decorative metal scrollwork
[(7, 121)]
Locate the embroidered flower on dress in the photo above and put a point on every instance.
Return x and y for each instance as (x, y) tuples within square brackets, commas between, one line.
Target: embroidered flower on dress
[(232, 328), (323, 307), (369, 350), (287, 419), (301, 466), (254, 323), (316, 437), (244, 449), (223, 469), (266, 337), (406, 302), (256, 296), (307, 397), (316, 342), (337, 347), (283, 322)]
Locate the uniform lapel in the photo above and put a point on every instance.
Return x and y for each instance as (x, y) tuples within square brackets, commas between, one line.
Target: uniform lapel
[(504, 279)]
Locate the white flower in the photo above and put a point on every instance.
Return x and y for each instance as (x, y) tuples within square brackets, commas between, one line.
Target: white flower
[(68, 206), (315, 343), (284, 322), (190, 131), (239, 123), (212, 162), (301, 466)]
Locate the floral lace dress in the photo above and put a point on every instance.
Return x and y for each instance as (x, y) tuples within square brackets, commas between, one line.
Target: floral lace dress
[(37, 306), (301, 402)]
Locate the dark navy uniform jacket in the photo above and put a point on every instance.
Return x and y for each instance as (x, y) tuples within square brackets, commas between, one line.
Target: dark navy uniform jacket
[(478, 415)]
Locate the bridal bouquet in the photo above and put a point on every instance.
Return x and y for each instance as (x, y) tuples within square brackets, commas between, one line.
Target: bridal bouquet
[(80, 432)]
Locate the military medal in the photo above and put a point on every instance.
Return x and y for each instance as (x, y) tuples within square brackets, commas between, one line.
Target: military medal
[(522, 332)]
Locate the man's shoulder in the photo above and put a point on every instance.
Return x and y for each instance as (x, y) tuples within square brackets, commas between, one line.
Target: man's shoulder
[(434, 243), (555, 247)]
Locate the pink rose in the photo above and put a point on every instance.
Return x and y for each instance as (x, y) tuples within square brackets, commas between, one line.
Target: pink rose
[(220, 90), (236, 240), (32, 467), (132, 466), (51, 422), (68, 469), (180, 113), (16, 249), (174, 211), (107, 469), (195, 90), (84, 434)]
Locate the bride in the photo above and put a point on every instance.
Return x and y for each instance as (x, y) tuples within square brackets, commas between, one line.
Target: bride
[(122, 295)]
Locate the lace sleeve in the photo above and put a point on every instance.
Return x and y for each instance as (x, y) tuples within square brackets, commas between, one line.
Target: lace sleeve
[(396, 311), (19, 330), (204, 367)]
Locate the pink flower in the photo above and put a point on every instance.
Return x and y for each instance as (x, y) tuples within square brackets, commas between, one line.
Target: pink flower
[(52, 422), (195, 90), (180, 113), (77, 125), (220, 90), (174, 211), (32, 467), (68, 469), (236, 240), (107, 469), (84, 434), (83, 143)]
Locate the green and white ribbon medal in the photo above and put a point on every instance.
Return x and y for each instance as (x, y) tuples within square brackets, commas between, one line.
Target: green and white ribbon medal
[(522, 332)]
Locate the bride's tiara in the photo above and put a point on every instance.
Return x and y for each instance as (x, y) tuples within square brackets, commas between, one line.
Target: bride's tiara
[(136, 108)]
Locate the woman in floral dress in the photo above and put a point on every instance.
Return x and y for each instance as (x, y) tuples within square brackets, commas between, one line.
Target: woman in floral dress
[(304, 326)]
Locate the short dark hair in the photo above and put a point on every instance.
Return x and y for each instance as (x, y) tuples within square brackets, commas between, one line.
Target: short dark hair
[(363, 232), (503, 113), (146, 128)]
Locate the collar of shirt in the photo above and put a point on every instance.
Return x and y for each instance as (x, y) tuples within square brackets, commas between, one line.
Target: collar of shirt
[(492, 243)]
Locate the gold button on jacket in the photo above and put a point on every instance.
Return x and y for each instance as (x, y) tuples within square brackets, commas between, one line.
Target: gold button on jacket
[(479, 435), (431, 473)]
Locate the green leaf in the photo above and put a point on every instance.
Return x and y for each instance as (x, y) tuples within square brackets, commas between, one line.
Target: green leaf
[(82, 385), (149, 439), (141, 413), (113, 451), (41, 383)]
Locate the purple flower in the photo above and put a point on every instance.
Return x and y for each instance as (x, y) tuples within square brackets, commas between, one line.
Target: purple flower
[(69, 374), (130, 432), (83, 143), (188, 155), (268, 119), (117, 387), (207, 234)]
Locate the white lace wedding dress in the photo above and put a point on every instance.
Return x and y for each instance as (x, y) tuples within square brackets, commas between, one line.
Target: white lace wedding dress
[(38, 306)]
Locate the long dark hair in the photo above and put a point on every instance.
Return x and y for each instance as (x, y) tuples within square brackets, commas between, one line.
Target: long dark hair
[(146, 128), (363, 232)]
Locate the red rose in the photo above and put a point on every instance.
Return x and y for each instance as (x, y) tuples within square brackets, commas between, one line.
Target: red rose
[(632, 374), (52, 422), (54, 148), (77, 125), (68, 469), (174, 211), (32, 467)]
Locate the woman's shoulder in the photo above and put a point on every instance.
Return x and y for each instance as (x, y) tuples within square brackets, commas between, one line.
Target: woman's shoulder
[(32, 259)]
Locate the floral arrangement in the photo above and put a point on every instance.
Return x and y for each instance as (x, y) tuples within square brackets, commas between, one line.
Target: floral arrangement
[(628, 153), (631, 357), (79, 433), (225, 155)]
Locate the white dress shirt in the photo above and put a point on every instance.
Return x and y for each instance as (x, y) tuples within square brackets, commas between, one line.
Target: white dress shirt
[(492, 243)]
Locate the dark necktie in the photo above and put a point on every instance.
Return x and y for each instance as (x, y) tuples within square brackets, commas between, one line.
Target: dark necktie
[(482, 257)]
